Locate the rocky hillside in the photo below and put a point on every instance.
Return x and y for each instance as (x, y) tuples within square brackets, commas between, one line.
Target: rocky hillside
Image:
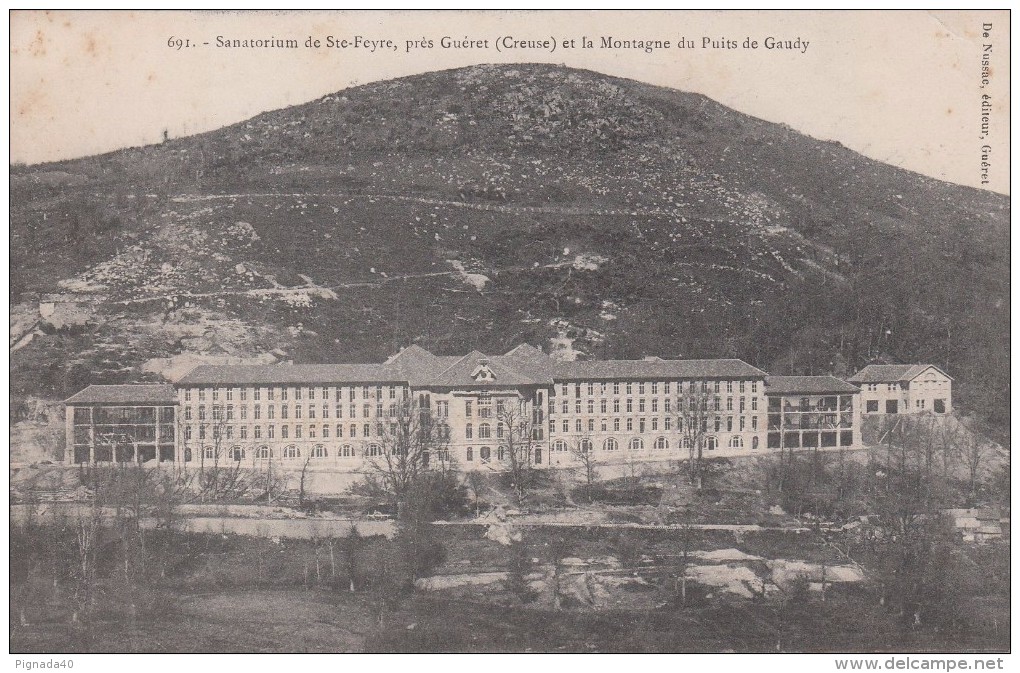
[(481, 207)]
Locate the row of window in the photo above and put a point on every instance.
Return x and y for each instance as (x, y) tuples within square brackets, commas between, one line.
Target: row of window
[(603, 387), (226, 412), (309, 392), (692, 404), (366, 430), (642, 425), (660, 444)]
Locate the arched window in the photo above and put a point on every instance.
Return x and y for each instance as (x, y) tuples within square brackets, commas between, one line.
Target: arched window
[(237, 453), (637, 444), (754, 442), (710, 443), (611, 445), (484, 431), (319, 451), (586, 445), (736, 442), (263, 452), (501, 453), (687, 443), (347, 451), (470, 455), (559, 445), (661, 443), (373, 450), (292, 452), (484, 453), (209, 452)]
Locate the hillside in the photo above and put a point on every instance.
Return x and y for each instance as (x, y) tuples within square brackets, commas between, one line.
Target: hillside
[(482, 207)]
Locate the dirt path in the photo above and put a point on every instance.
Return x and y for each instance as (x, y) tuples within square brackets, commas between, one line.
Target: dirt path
[(490, 207)]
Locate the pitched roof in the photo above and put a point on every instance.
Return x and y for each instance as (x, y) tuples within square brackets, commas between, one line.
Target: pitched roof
[(657, 369), (283, 374), (418, 366), (460, 373), (125, 394), (891, 373), (807, 385)]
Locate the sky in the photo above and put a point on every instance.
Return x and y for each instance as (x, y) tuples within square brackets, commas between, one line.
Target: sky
[(902, 87)]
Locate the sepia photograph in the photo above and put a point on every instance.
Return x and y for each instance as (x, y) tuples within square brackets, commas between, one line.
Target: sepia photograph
[(507, 332)]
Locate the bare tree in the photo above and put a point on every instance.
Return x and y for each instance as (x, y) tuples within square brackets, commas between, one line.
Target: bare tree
[(412, 441), (584, 453), (518, 428), (695, 415), (975, 451)]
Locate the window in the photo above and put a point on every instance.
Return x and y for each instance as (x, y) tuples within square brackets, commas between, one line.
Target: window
[(630, 405), (603, 406), (616, 387), (297, 412), (467, 408), (284, 430), (938, 405), (325, 392), (559, 446), (244, 432), (667, 424), (373, 450), (591, 389), (591, 425), (616, 406), (616, 425), (565, 407), (655, 424), (484, 453), (566, 425), (610, 445), (630, 388), (258, 432), (736, 442), (187, 413), (729, 386), (891, 407), (710, 443), (484, 431), (655, 405), (577, 425), (577, 406), (469, 454), (210, 452), (237, 453), (754, 404), (347, 451), (586, 446), (637, 444), (729, 404), (263, 452), (666, 405), (468, 431), (630, 424), (662, 443), (318, 451), (872, 406), (325, 432)]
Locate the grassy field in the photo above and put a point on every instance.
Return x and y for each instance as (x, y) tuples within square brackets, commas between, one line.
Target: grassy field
[(228, 593)]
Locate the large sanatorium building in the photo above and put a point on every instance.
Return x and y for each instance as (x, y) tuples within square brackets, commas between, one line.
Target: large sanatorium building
[(338, 416)]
